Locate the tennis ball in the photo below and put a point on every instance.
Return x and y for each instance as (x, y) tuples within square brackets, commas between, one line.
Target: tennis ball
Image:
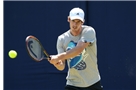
[(12, 54)]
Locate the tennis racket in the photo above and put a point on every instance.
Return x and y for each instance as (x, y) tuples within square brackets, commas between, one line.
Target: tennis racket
[(35, 49)]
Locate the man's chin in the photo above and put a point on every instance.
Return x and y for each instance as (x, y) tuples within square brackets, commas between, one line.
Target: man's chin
[(75, 29)]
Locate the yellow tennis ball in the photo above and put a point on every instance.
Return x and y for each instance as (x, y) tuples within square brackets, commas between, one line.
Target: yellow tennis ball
[(12, 54)]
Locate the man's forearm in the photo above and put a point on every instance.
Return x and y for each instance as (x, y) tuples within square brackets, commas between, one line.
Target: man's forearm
[(70, 54)]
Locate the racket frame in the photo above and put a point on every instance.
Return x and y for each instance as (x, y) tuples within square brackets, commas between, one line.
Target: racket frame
[(44, 51)]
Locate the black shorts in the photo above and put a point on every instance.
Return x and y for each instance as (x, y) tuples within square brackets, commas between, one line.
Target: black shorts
[(96, 86)]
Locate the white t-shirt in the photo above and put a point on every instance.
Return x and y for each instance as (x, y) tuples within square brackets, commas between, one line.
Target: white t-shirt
[(85, 73)]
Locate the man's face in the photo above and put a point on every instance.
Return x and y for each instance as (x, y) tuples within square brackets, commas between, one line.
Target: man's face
[(75, 24)]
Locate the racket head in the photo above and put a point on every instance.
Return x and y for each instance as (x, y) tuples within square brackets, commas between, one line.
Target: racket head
[(35, 49)]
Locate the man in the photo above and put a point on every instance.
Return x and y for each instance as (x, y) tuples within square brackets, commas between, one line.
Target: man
[(77, 46)]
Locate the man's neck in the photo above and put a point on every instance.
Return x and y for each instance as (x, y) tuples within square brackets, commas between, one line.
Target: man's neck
[(76, 33)]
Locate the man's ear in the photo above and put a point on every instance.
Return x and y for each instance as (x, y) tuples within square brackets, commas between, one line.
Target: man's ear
[(68, 19), (83, 21)]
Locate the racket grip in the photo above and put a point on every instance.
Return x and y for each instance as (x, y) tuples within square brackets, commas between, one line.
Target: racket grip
[(49, 58)]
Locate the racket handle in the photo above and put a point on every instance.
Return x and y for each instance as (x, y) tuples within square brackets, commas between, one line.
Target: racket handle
[(49, 58)]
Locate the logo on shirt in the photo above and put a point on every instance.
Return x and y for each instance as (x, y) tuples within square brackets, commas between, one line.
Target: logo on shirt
[(77, 62)]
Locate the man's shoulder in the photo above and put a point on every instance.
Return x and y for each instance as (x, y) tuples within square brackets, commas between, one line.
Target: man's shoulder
[(63, 35), (86, 27)]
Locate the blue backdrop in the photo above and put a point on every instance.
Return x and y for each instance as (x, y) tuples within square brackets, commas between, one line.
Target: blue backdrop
[(115, 25)]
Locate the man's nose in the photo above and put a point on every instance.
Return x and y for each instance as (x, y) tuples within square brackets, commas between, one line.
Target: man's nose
[(74, 23)]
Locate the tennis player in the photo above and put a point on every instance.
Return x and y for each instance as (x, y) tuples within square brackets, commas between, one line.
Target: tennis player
[(84, 75)]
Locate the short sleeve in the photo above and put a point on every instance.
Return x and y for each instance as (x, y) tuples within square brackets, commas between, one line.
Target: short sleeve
[(88, 35), (60, 48)]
